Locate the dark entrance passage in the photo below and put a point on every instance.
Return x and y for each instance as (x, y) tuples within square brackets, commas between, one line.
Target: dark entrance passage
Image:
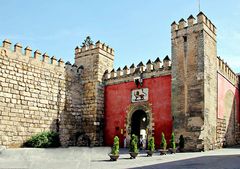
[(139, 123)]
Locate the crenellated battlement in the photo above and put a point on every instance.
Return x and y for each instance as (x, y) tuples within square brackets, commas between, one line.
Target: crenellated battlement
[(193, 25), (98, 47), (73, 69), (27, 54), (36, 58), (95, 57), (148, 70), (225, 70)]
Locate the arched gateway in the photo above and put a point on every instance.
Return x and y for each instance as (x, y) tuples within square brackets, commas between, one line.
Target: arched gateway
[(139, 120)]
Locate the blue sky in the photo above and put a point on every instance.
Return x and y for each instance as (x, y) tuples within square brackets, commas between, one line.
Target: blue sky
[(138, 30)]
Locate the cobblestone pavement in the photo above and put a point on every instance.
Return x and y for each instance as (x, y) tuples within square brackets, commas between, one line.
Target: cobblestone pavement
[(97, 158)]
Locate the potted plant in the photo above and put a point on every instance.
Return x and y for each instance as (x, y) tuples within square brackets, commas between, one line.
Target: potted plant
[(172, 148), (181, 143), (163, 147), (133, 151), (115, 149), (151, 146)]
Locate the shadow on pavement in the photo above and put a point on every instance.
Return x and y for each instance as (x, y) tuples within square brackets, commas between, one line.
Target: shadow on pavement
[(206, 162)]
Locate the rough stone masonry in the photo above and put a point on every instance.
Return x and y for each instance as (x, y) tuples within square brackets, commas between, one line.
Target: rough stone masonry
[(39, 93)]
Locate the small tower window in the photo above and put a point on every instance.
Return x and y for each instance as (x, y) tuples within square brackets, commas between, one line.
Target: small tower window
[(185, 38)]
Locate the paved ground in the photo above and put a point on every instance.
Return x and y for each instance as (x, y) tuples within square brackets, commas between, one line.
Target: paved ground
[(97, 158)]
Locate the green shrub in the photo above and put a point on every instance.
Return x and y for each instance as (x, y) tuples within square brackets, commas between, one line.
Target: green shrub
[(133, 144), (172, 141), (163, 142), (44, 140), (181, 142), (151, 144), (115, 148)]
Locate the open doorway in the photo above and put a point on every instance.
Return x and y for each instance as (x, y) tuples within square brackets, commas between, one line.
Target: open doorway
[(139, 123)]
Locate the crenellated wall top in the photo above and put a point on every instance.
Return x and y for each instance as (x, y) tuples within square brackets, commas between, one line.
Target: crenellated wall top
[(36, 58), (224, 69), (150, 69)]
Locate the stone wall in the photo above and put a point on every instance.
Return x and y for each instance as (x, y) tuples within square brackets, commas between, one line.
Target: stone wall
[(232, 79), (228, 108), (210, 85), (96, 59), (194, 81), (221, 130), (196, 87), (38, 93)]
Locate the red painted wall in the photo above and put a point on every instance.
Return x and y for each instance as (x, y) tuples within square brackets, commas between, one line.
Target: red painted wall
[(118, 98), (223, 87)]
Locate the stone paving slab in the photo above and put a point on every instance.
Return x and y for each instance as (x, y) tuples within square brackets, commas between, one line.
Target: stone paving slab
[(97, 158)]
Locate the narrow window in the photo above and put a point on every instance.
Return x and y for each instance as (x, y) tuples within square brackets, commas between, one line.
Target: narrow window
[(185, 38)]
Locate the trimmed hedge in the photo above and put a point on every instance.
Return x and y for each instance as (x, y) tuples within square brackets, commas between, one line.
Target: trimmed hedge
[(115, 148), (172, 141), (151, 144), (163, 142), (133, 144), (44, 140)]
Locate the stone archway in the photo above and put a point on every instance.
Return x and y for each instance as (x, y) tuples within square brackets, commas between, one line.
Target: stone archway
[(139, 107)]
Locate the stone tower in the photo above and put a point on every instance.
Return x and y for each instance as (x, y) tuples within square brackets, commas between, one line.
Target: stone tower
[(95, 59), (194, 81)]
